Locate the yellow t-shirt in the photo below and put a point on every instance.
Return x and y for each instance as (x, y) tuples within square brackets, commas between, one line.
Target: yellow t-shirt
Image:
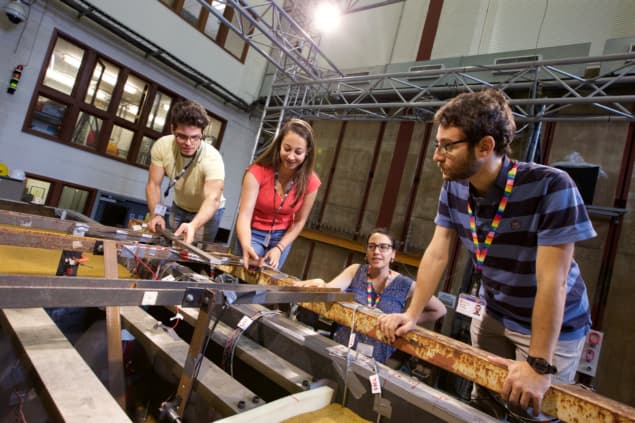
[(188, 190)]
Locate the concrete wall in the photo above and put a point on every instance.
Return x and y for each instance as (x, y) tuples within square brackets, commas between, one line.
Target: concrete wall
[(38, 155)]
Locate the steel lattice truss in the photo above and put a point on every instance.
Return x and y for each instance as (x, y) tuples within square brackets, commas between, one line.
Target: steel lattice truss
[(276, 35), (539, 91)]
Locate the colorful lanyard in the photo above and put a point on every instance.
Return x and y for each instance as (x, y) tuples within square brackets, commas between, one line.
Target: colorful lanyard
[(482, 253), (284, 198), (372, 298)]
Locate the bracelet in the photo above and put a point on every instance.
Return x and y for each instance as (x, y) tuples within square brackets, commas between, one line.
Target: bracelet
[(279, 248)]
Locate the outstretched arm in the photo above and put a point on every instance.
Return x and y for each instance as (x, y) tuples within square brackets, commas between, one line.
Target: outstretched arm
[(153, 196), (213, 191), (292, 232), (248, 197), (523, 385), (341, 281), (431, 268)]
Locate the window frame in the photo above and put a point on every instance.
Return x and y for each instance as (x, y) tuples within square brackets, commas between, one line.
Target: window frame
[(75, 103)]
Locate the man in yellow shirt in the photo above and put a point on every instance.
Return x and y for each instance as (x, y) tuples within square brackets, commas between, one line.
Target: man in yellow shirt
[(196, 173)]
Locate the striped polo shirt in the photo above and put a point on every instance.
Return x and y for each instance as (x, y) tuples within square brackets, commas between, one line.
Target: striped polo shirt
[(544, 208)]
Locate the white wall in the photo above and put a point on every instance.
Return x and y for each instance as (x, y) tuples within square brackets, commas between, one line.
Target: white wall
[(41, 156), (391, 34), (490, 26), (165, 28)]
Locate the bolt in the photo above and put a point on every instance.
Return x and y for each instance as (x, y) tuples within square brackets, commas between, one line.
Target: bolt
[(241, 404), (306, 383), (205, 300), (189, 298), (255, 399)]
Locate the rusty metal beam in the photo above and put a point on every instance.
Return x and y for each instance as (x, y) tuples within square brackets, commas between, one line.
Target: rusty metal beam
[(26, 237), (27, 220), (567, 402)]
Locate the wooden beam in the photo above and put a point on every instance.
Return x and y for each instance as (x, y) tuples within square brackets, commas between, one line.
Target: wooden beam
[(224, 393), (71, 391), (567, 402), (116, 379)]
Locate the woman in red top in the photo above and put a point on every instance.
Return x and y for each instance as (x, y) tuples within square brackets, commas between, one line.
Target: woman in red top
[(278, 192)]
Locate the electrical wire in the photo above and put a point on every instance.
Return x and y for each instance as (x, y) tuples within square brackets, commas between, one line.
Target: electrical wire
[(197, 365), (229, 350), (544, 15)]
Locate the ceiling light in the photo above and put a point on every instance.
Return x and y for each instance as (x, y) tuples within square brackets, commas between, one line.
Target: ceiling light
[(326, 17)]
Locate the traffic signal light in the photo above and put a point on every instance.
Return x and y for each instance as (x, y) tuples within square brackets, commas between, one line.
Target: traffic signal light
[(15, 78)]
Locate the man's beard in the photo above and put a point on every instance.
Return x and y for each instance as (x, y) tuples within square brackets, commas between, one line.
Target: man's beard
[(464, 170)]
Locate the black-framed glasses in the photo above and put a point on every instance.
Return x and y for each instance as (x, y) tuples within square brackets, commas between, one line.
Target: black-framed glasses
[(185, 138), (448, 147), (382, 247)]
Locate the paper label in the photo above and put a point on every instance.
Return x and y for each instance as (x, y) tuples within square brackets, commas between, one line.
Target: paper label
[(365, 349), (245, 322), (351, 340), (375, 386), (149, 298)]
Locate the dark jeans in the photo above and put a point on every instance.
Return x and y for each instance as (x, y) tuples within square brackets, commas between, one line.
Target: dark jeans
[(210, 229)]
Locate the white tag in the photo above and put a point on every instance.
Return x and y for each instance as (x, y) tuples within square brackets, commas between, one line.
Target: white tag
[(375, 386), (365, 349), (160, 209), (149, 298), (136, 228), (351, 340), (245, 322), (168, 278), (146, 236), (471, 306), (76, 245)]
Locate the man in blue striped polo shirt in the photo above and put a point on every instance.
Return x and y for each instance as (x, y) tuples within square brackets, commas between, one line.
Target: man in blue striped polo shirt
[(520, 222)]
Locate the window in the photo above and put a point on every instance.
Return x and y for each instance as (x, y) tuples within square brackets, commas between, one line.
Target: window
[(56, 193), (90, 102), (200, 18)]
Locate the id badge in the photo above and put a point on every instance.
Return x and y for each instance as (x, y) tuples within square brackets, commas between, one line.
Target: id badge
[(267, 239), (160, 209), (471, 306)]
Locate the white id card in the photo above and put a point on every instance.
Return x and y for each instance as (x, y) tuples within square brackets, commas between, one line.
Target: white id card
[(160, 209), (471, 306)]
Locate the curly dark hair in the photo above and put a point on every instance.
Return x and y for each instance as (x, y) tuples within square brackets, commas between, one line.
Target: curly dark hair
[(480, 114), (189, 113), (271, 156)]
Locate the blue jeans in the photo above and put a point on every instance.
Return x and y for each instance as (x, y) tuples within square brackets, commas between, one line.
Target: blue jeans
[(258, 244), (210, 229)]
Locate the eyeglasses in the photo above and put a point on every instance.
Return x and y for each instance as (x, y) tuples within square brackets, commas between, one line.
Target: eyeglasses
[(185, 138), (448, 147), (382, 247)]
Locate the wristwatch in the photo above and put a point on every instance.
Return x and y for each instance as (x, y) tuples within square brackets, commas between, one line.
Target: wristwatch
[(541, 366)]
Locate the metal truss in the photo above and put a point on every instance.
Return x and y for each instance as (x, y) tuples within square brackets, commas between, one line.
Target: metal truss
[(271, 31), (538, 91)]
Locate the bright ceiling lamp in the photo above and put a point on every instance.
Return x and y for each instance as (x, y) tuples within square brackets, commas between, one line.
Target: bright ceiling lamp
[(326, 17)]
